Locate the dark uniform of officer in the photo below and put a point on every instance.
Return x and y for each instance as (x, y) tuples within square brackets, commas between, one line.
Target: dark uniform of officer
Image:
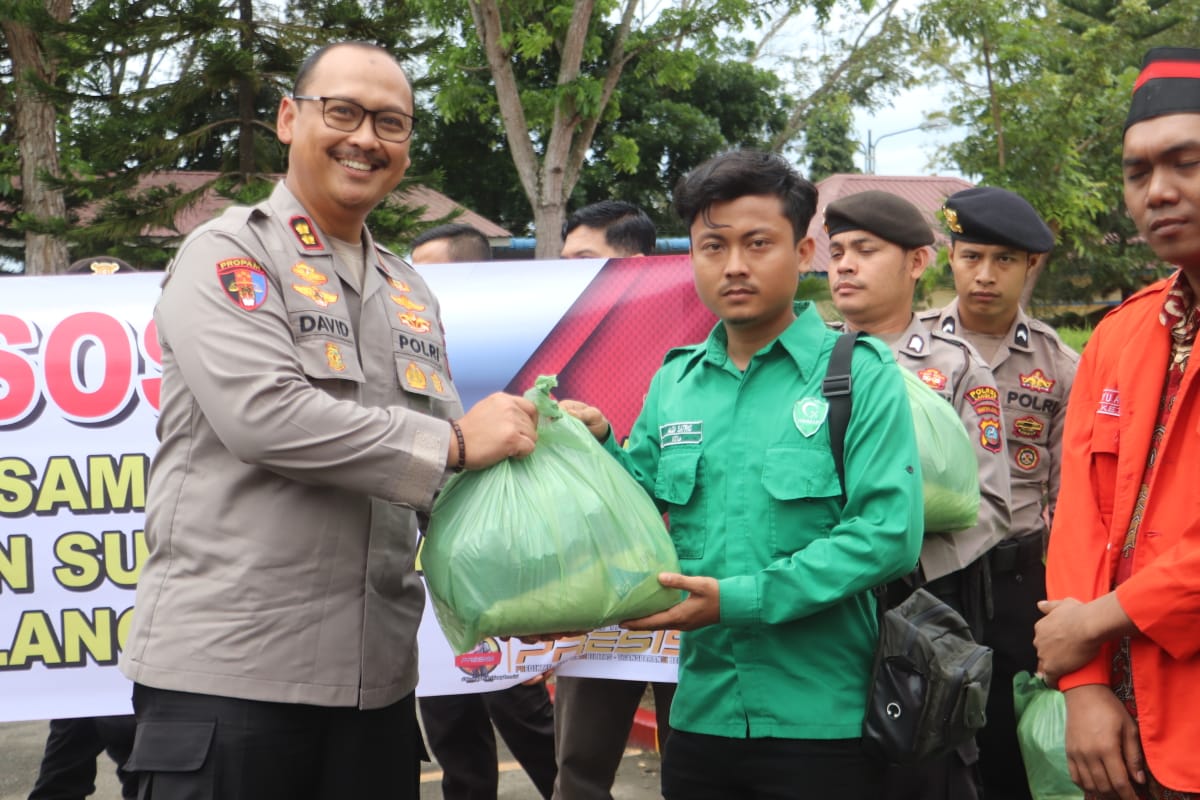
[(1034, 371), (68, 768), (952, 563)]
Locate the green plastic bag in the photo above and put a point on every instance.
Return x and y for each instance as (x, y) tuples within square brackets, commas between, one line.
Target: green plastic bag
[(561, 540), (1042, 732), (948, 462)]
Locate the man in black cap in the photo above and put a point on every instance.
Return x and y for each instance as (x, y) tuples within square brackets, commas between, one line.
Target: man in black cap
[(68, 768), (879, 246), (99, 265), (1124, 565), (995, 238)]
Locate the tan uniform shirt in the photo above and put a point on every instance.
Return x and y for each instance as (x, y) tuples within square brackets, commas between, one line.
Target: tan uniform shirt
[(951, 368), (1034, 371), (302, 429)]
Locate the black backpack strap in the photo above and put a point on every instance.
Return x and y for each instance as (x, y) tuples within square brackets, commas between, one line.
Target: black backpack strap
[(837, 390)]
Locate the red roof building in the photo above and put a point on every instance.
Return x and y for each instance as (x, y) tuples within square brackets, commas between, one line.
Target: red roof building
[(926, 193)]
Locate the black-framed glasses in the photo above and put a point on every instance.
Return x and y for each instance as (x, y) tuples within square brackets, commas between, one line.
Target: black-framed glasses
[(346, 115)]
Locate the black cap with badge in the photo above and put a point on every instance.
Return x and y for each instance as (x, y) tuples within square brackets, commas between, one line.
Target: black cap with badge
[(882, 213), (1169, 83), (99, 265), (987, 215)]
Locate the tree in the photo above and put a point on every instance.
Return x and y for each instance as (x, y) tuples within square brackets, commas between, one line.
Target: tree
[(1042, 91), (24, 24), (587, 46)]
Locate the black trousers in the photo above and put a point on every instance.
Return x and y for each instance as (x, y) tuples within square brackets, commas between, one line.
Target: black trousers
[(460, 734), (700, 767), (68, 768), (1018, 582), (203, 747)]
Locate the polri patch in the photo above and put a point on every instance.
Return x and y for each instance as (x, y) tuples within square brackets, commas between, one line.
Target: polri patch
[(809, 414), (673, 433), (244, 281)]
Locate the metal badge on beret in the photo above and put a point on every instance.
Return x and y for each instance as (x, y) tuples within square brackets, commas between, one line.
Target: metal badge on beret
[(989, 215)]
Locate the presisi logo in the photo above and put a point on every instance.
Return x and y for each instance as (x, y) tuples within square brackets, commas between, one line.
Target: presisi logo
[(674, 433), (480, 662)]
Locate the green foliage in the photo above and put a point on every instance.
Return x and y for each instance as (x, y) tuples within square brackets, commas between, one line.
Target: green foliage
[(1075, 338), (1042, 90)]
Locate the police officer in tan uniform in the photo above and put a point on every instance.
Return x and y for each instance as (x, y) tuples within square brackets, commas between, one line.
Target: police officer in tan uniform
[(879, 246), (307, 418), (995, 238)]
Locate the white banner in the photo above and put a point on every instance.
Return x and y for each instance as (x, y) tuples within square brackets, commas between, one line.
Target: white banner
[(79, 391)]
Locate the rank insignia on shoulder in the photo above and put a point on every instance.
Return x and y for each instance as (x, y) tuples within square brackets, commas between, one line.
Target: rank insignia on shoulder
[(244, 281), (916, 343), (1021, 335), (809, 414), (306, 234), (436, 382)]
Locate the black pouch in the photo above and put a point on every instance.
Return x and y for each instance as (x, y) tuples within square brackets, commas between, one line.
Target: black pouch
[(929, 684)]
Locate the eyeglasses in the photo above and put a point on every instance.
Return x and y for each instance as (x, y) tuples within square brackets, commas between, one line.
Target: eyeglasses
[(346, 116)]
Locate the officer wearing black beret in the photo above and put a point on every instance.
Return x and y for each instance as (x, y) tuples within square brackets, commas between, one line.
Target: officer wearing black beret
[(996, 237), (886, 215), (878, 250), (987, 215), (99, 265)]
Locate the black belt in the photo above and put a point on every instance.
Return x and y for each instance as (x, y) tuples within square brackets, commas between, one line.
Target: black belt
[(1014, 555)]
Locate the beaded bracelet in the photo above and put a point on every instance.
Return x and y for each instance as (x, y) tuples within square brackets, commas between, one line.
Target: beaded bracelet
[(462, 446)]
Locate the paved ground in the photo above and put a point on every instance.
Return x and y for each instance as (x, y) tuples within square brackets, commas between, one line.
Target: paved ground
[(21, 750)]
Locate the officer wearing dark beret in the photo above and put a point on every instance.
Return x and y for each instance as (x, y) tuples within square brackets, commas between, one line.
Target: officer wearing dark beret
[(878, 251), (99, 265), (882, 213), (988, 215), (995, 238)]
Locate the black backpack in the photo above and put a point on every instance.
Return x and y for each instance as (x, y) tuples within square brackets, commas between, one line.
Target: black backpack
[(930, 679)]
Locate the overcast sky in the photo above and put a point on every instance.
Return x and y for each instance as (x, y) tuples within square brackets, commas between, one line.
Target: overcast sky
[(905, 153)]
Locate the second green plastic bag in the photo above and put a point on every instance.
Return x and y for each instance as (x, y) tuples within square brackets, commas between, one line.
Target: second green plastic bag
[(1042, 734), (948, 464), (562, 540)]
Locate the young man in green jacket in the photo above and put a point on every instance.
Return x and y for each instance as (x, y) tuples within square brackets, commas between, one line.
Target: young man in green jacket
[(778, 558)]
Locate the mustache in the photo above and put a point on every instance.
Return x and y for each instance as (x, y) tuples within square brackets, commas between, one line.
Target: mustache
[(847, 282), (355, 154)]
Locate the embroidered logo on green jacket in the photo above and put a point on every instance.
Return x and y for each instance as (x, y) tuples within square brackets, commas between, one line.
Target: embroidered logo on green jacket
[(809, 414)]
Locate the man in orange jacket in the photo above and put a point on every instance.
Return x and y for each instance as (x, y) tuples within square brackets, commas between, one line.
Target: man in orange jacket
[(1120, 631)]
